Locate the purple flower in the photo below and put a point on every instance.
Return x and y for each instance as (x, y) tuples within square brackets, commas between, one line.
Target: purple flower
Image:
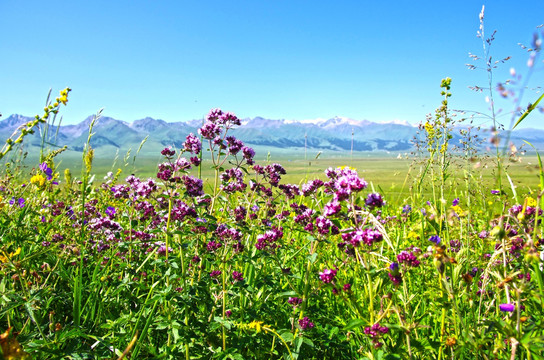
[(374, 200), (406, 209), (193, 185), (215, 273), (327, 275), (495, 192), (507, 307), (168, 152), (110, 211), (305, 323), (295, 301), (228, 313), (332, 208), (435, 239), (47, 170), (455, 202), (209, 130), (192, 144), (237, 276)]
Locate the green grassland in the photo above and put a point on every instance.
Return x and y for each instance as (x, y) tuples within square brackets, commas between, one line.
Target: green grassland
[(390, 174)]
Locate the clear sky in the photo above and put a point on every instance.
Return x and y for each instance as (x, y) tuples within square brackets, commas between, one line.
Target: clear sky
[(292, 59)]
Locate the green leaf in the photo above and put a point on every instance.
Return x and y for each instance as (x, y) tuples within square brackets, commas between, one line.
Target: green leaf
[(530, 108), (287, 336), (354, 323)]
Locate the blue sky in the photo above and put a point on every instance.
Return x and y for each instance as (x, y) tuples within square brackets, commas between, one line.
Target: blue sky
[(174, 60)]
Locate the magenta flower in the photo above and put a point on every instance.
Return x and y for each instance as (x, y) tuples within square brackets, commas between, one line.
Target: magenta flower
[(305, 323), (507, 307), (327, 275)]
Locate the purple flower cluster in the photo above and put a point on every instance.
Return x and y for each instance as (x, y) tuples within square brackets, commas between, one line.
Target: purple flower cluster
[(324, 226), (311, 187), (20, 202), (268, 240), (237, 276), (376, 332), (233, 181), (394, 274), (305, 324), (295, 301), (274, 172), (332, 208), (192, 144), (367, 236), (227, 234), (194, 186), (343, 182), (161, 248), (209, 130), (327, 275), (374, 200), (215, 273), (408, 259)]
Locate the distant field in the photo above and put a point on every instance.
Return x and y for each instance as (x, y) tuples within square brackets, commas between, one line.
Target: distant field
[(384, 172)]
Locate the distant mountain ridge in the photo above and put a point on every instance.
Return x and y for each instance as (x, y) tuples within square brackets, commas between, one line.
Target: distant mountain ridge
[(335, 134)]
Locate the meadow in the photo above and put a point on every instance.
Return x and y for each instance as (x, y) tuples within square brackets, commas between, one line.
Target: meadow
[(212, 251)]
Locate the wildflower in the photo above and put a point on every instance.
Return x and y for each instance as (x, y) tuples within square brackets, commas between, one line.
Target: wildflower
[(305, 323), (110, 211), (5, 258), (455, 202), (168, 152), (209, 130), (237, 276), (38, 180), (327, 275), (530, 201), (507, 307), (374, 200), (47, 170), (295, 301), (215, 273), (193, 185), (406, 209), (408, 258), (257, 325), (495, 192), (192, 144), (332, 208), (228, 313), (435, 239), (394, 274), (451, 341)]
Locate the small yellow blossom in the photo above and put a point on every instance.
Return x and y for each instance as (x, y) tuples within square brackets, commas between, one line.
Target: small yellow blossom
[(458, 210), (531, 202), (5, 258), (412, 235), (257, 325), (38, 180)]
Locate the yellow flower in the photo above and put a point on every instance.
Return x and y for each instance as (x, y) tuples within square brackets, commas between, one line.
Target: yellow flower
[(37, 180), (531, 202), (5, 258), (458, 210), (412, 235), (257, 325)]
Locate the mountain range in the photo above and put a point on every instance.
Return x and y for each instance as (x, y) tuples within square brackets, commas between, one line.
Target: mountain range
[(338, 134)]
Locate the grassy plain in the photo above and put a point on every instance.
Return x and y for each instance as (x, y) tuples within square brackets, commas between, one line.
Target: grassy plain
[(392, 175)]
